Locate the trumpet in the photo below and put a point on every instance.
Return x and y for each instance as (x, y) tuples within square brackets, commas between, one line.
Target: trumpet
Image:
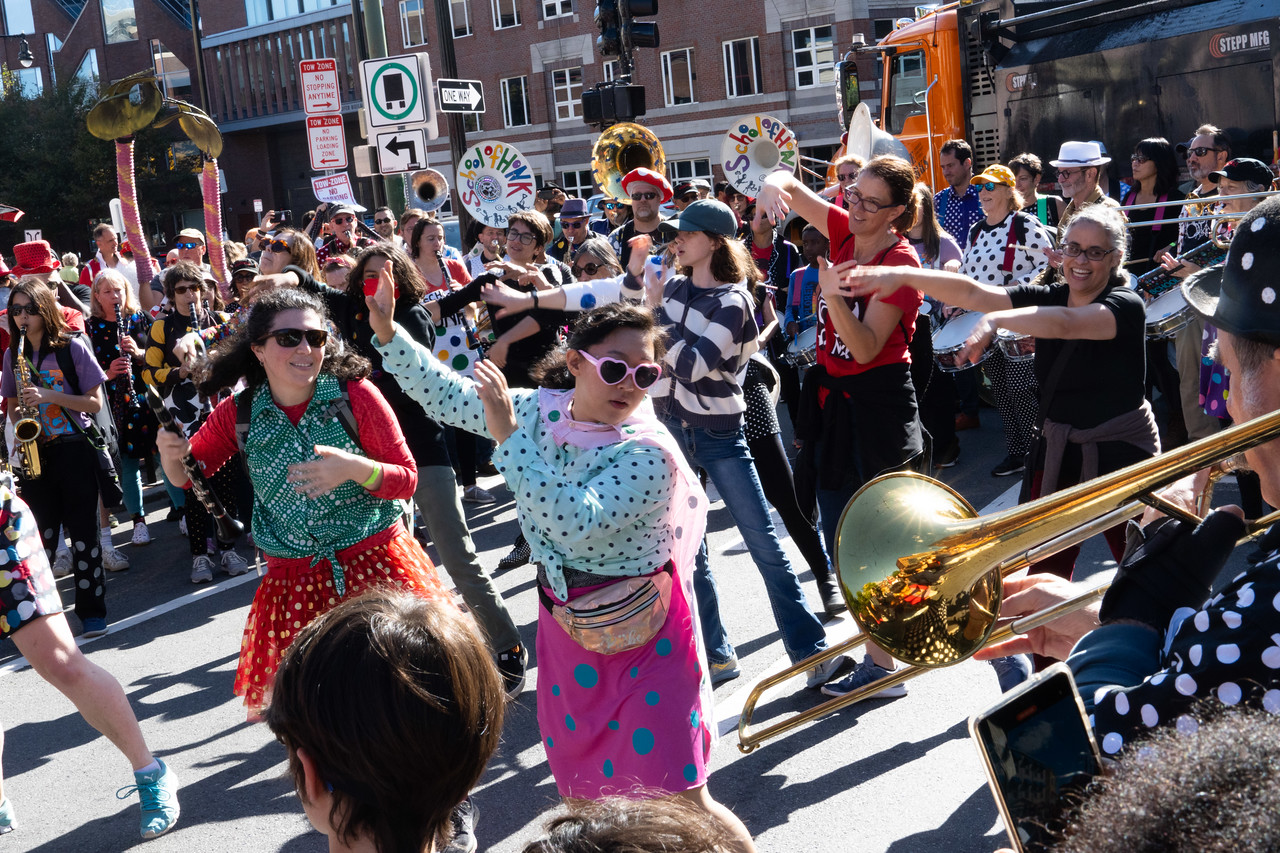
[(27, 429), (927, 586)]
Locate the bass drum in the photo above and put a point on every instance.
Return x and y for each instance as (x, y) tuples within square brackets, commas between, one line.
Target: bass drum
[(948, 342)]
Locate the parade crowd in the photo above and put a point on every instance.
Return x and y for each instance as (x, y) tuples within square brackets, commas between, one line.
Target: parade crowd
[(326, 413)]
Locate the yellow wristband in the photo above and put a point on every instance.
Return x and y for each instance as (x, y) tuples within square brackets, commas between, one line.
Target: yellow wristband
[(373, 478)]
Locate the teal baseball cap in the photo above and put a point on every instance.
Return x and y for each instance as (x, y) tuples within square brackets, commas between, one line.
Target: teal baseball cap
[(708, 215)]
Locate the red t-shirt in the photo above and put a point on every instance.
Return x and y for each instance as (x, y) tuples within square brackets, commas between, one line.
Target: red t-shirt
[(832, 353), (380, 436)]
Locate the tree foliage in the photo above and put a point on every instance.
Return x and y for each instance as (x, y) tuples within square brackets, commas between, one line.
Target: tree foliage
[(63, 177)]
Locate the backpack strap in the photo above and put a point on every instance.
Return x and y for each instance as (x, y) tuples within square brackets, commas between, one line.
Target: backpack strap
[(1010, 244), (1042, 209), (68, 366)]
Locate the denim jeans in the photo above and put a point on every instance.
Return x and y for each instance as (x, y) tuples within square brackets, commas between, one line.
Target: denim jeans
[(725, 458)]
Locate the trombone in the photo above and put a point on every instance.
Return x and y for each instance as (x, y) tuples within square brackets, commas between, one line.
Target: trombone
[(927, 586)]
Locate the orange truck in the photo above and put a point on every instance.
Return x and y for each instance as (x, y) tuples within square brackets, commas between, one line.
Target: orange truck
[(1012, 77)]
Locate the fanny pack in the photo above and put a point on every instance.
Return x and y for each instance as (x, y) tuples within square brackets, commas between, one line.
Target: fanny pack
[(621, 616)]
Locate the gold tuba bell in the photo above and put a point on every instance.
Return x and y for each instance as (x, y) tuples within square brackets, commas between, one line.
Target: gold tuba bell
[(430, 188), (620, 149)]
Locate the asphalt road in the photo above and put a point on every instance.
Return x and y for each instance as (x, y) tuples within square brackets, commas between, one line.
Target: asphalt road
[(885, 775)]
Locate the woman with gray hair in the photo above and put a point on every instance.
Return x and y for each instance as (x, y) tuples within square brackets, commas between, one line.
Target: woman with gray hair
[(1090, 331)]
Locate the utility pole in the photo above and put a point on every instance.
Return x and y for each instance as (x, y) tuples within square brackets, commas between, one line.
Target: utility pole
[(457, 134), (388, 191)]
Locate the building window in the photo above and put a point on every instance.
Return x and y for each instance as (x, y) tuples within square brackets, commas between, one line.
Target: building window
[(556, 8), (413, 24), (505, 14), (815, 59), (87, 70), (687, 170), (461, 18), (611, 71), (881, 27), (566, 84), (578, 184), (742, 68), (119, 21), (175, 79), (515, 102), (471, 122), (18, 17), (265, 11), (677, 77), (31, 81)]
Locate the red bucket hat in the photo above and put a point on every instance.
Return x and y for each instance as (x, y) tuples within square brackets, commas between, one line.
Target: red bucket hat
[(34, 258), (650, 177)]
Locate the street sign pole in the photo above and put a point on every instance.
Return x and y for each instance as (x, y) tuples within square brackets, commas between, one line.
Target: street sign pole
[(384, 189), (457, 135)]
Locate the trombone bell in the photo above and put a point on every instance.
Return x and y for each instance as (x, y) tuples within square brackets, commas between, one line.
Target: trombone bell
[(430, 188)]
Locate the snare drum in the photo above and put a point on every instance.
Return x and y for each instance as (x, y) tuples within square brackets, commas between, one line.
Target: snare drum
[(803, 349), (948, 342), (1016, 347), (1167, 314)]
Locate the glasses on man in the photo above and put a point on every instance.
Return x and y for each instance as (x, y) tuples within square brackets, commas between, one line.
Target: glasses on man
[(524, 237), (644, 196), (690, 197), (855, 198), (180, 289), (290, 338), (1093, 253), (612, 371), (28, 308), (187, 245), (343, 220), (1201, 150), (572, 223), (587, 268), (277, 246), (1068, 174), (382, 221), (611, 205)]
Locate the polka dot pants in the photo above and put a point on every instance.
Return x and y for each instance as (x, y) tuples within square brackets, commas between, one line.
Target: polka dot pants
[(1014, 384)]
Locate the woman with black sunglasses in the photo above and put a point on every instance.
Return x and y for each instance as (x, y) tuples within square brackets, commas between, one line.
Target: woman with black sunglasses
[(613, 512), (326, 507), (168, 369)]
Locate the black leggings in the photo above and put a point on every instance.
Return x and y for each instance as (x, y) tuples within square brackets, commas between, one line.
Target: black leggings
[(200, 524), (66, 494), (780, 491), (463, 448)]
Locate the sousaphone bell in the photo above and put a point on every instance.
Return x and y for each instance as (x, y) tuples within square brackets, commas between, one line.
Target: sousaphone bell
[(430, 188), (867, 141), (620, 149)]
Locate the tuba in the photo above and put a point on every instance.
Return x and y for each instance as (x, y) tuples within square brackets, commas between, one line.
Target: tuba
[(620, 149), (430, 188), (867, 141), (27, 428)]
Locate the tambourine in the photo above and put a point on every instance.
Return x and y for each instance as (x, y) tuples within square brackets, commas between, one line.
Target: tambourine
[(755, 147), (494, 181)]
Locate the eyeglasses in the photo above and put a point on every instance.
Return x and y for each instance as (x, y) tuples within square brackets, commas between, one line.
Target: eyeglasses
[(29, 309), (1093, 253), (572, 223), (611, 371), (1139, 158), (586, 269), (1201, 150), (611, 205), (689, 197), (382, 221), (343, 220), (290, 338), (188, 245), (852, 176), (1068, 174), (277, 246), (988, 186), (244, 276), (644, 196), (180, 289), (855, 198), (524, 237)]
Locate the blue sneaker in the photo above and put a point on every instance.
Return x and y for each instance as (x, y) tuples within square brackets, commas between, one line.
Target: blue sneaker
[(863, 674), (1011, 671), (158, 791), (8, 818), (94, 626)]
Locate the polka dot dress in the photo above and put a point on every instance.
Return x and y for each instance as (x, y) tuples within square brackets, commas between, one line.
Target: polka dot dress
[(1227, 652)]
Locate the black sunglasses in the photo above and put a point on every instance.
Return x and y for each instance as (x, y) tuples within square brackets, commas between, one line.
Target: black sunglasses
[(290, 338), (278, 246), (381, 221), (29, 309), (179, 289), (588, 268)]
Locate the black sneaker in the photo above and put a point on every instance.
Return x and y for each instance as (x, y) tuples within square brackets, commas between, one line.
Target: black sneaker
[(947, 456), (512, 664), (1010, 465), (463, 820), (832, 600), (518, 557), (175, 514)]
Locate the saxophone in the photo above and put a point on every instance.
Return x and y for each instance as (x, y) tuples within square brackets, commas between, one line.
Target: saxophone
[(28, 428)]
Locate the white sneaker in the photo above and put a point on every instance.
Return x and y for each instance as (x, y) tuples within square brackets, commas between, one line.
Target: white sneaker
[(477, 495), (182, 525), (824, 672), (113, 560), (233, 564), (62, 564), (202, 569), (141, 535)]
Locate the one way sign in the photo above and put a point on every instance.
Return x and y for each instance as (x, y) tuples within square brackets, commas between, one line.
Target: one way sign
[(401, 151), (461, 96)]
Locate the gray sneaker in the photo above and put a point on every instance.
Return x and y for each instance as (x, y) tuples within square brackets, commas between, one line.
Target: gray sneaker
[(233, 564), (113, 560), (824, 672), (62, 564), (202, 569)]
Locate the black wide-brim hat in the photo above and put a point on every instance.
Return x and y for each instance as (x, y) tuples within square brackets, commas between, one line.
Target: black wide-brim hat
[(1242, 295)]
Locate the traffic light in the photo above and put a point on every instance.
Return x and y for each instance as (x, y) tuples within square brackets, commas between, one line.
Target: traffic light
[(609, 23), (639, 33)]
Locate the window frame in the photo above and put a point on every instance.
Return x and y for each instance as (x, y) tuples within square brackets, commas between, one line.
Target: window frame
[(730, 67), (495, 8), (573, 101), (814, 51), (565, 5), (106, 33), (405, 26), (466, 18), (571, 180), (668, 77), (505, 86)]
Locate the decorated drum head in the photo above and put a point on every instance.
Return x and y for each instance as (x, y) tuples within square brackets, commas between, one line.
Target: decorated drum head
[(755, 147), (494, 181)]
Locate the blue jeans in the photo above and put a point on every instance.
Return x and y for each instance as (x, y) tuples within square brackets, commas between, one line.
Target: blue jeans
[(725, 458)]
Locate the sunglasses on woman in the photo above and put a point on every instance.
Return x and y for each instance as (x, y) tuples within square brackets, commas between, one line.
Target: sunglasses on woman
[(611, 371), (29, 309), (180, 289), (278, 246), (290, 338), (989, 186), (586, 269)]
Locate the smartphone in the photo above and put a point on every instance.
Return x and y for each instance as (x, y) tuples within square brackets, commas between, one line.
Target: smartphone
[(547, 194), (371, 287), (1038, 749), (284, 217)]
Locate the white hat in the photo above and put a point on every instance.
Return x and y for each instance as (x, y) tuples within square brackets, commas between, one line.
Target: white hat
[(1075, 154)]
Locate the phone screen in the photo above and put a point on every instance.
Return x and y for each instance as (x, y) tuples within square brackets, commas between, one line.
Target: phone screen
[(1038, 750)]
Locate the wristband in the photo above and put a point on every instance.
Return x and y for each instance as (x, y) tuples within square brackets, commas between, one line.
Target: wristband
[(373, 478), (535, 300)]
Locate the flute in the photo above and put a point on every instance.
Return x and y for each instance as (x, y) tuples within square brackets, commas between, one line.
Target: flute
[(229, 529)]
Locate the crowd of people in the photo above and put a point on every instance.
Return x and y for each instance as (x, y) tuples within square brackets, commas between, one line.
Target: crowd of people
[(338, 398)]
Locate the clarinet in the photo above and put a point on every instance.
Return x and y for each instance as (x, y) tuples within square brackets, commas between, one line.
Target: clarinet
[(229, 529)]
